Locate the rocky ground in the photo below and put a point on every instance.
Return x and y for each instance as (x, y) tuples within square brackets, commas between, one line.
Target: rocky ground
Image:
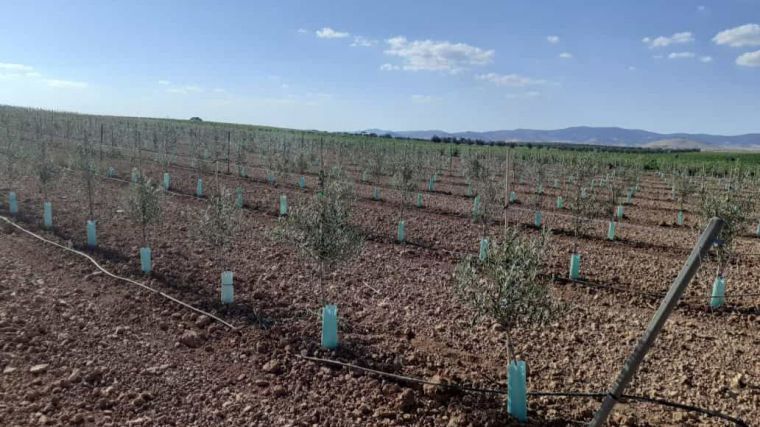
[(80, 348)]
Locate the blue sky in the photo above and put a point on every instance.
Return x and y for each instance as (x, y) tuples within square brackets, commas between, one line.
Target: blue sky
[(669, 66)]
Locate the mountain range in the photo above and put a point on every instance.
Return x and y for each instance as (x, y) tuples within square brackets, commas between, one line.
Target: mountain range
[(614, 136)]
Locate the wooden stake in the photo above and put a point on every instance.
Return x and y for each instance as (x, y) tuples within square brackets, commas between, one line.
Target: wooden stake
[(667, 305)]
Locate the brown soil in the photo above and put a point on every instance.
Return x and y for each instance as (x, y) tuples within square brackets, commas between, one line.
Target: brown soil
[(77, 347)]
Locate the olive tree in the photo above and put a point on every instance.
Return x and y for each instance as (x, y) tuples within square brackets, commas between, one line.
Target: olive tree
[(582, 203), (507, 285), (734, 206), (405, 179), (144, 206), (321, 229), (487, 190), (219, 223), (86, 164)]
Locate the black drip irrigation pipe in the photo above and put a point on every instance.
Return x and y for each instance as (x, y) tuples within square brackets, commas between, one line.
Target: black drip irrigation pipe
[(593, 395)]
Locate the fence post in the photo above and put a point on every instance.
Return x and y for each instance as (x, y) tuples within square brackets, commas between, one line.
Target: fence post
[(667, 305)]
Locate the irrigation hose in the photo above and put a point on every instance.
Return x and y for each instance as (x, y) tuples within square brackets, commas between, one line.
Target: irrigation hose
[(467, 388), (125, 279)]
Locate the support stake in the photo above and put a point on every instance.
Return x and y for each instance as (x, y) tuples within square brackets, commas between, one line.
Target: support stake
[(667, 305)]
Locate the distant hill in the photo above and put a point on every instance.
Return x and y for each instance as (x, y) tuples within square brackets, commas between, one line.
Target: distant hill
[(678, 144), (595, 135)]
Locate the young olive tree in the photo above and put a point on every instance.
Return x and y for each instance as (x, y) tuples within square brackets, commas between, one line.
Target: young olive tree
[(321, 229), (405, 179), (488, 191), (219, 223), (537, 169), (683, 186), (615, 184), (733, 205), (13, 155), (377, 161), (86, 164), (507, 285), (144, 206), (582, 203), (45, 169)]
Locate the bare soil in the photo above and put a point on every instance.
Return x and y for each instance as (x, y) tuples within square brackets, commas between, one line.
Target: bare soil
[(80, 348)]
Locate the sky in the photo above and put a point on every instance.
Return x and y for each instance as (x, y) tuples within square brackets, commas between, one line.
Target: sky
[(348, 65)]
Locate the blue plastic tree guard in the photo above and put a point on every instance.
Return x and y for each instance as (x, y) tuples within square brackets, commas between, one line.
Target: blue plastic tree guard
[(167, 181), (611, 231), (283, 205), (227, 288), (199, 188), (419, 200), (12, 203), (538, 219), (92, 235), (239, 198), (679, 218), (302, 182), (619, 212), (47, 215), (484, 244), (146, 263), (376, 194), (401, 233), (330, 327), (560, 202), (718, 292), (476, 207), (575, 266), (512, 197), (517, 393)]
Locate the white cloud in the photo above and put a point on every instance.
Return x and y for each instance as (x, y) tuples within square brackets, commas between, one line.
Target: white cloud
[(164, 82), (524, 95), (514, 80), (631, 68), (184, 90), (664, 41), (681, 55), (552, 39), (429, 55), (706, 59), (389, 67), (566, 55), (65, 84), (361, 41), (749, 59), (702, 9), (329, 33), (743, 35), (11, 71), (17, 68), (424, 99), (302, 31)]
